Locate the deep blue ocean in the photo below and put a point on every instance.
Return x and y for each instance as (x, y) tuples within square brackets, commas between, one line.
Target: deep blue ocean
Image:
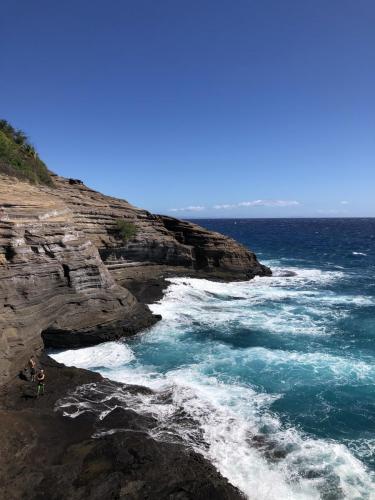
[(275, 378)]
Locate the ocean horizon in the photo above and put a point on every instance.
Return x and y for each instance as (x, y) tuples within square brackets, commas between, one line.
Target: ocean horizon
[(277, 218)]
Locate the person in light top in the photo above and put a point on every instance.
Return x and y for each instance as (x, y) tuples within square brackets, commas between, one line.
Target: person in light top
[(32, 368)]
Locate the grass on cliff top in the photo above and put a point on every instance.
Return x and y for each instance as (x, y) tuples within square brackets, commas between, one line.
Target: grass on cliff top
[(18, 158)]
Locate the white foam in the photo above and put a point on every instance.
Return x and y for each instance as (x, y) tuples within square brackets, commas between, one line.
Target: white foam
[(107, 355), (230, 414), (297, 306), (360, 253)]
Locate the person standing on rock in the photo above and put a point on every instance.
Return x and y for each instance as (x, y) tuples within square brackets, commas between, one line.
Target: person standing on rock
[(32, 368), (41, 378)]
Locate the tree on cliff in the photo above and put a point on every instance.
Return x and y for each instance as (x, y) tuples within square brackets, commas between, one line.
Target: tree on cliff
[(127, 230)]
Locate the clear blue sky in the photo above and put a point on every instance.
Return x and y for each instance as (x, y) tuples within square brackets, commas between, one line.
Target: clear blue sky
[(258, 108)]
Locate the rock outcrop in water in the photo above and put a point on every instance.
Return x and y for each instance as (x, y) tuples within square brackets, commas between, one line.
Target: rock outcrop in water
[(66, 275)]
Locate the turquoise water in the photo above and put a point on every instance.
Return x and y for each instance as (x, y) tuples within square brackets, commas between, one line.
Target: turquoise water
[(273, 380)]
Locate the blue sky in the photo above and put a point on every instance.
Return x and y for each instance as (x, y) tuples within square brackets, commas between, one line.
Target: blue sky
[(200, 108)]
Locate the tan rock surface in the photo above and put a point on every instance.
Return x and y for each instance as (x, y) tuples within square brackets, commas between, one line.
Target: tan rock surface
[(62, 264)]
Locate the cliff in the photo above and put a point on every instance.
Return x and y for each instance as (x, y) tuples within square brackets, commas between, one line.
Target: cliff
[(70, 277), (67, 276)]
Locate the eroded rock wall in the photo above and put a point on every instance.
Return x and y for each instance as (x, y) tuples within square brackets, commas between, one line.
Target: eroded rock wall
[(63, 264), (53, 280), (160, 240)]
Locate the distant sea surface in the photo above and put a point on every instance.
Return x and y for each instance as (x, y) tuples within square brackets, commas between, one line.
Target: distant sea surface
[(273, 380)]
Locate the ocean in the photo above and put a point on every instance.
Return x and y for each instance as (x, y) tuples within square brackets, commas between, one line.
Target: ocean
[(273, 380)]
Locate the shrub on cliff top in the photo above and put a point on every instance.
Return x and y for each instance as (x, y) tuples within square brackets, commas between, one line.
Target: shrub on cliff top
[(127, 230), (18, 157)]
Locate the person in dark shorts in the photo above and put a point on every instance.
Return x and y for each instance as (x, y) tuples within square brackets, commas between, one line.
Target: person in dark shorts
[(41, 379), (32, 368)]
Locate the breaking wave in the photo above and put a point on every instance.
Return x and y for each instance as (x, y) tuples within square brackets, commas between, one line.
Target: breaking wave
[(223, 362)]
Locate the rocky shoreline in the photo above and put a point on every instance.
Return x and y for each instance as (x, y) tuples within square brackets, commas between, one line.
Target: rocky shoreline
[(45, 455), (67, 280)]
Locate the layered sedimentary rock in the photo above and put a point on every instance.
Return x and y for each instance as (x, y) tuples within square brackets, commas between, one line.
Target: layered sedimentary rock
[(65, 272), (160, 240), (53, 280)]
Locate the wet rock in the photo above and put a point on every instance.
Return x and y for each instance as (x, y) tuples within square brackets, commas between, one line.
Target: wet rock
[(45, 455), (125, 418)]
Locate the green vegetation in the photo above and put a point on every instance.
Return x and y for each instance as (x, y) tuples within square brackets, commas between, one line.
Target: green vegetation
[(127, 230), (19, 158)]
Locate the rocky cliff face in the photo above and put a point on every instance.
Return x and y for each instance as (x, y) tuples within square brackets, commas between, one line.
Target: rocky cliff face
[(65, 273), (160, 240)]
